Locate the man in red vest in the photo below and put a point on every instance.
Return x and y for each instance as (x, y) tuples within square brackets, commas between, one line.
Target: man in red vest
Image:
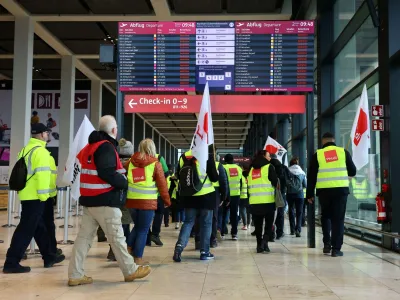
[(103, 186)]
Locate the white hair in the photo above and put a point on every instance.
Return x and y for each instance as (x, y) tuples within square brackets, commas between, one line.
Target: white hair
[(107, 123)]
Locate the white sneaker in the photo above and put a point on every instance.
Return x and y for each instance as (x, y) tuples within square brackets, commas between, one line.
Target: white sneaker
[(177, 226)]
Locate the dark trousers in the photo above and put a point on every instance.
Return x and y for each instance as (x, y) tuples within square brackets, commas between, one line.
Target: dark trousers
[(303, 222), (296, 206), (166, 216), (234, 208), (48, 217), (223, 216), (280, 219), (268, 217), (157, 221), (244, 211), (333, 209), (32, 225), (215, 216)]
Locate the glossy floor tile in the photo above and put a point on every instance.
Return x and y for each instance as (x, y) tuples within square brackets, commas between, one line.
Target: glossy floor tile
[(290, 271)]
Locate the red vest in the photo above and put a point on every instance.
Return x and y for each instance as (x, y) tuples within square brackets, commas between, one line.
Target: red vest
[(91, 184)]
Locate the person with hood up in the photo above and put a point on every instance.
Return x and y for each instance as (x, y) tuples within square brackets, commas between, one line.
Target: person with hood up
[(262, 180), (282, 173), (295, 198), (145, 180)]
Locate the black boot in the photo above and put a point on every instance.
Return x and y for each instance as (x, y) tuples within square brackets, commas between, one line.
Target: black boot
[(110, 255), (260, 248), (265, 244)]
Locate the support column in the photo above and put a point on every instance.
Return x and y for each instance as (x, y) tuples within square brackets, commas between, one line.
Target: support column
[(283, 131), (133, 131), (22, 86), (67, 105), (310, 151), (96, 100)]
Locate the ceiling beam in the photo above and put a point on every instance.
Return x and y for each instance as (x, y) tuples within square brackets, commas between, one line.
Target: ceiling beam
[(4, 77), (53, 56), (18, 11), (161, 8), (154, 18)]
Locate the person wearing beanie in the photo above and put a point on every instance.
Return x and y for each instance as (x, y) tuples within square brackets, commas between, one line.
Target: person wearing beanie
[(125, 152)]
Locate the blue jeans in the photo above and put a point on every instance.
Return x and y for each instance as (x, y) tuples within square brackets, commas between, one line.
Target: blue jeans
[(234, 208), (180, 215), (137, 238), (295, 219), (205, 220)]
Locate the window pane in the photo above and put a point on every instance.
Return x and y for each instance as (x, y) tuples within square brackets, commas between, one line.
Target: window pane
[(357, 59), (343, 12), (364, 187)]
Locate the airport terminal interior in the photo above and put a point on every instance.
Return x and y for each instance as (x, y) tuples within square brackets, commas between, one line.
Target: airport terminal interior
[(278, 75)]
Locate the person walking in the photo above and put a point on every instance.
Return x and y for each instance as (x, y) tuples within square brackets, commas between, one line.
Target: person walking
[(37, 205), (145, 181), (103, 185), (202, 203), (329, 172), (154, 234), (244, 201), (234, 173), (295, 198), (125, 152), (262, 180)]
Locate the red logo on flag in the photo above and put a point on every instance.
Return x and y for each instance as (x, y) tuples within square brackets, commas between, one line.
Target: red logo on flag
[(331, 156), (256, 174), (362, 127), (138, 175), (271, 149), (233, 172)]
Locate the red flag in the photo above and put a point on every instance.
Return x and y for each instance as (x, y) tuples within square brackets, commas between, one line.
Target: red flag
[(362, 126)]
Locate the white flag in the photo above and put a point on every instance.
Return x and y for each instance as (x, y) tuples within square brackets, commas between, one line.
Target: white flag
[(73, 167), (204, 134), (273, 147), (361, 132)]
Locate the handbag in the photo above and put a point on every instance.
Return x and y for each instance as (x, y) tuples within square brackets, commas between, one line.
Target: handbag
[(279, 201)]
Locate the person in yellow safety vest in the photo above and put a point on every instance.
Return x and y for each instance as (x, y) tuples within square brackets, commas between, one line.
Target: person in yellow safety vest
[(244, 202), (234, 173), (360, 188), (329, 170), (167, 210), (37, 205), (262, 180), (201, 203), (145, 181)]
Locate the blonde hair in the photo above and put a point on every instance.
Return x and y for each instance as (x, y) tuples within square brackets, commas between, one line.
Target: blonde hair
[(147, 148)]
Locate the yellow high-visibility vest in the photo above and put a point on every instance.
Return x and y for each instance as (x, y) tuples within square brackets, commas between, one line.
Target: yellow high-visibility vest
[(234, 174), (141, 184), (260, 188), (243, 192), (332, 171)]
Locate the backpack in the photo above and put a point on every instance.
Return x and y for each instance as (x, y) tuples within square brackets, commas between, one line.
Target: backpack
[(295, 184), (189, 180), (19, 173)]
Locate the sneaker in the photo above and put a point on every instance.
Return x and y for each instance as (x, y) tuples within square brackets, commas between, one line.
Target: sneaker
[(292, 233), (298, 234), (253, 233), (244, 227), (206, 256), (111, 256), (177, 226), (156, 240), (266, 249), (57, 260), (141, 272), (166, 225), (80, 281), (59, 251), (177, 254), (281, 236), (336, 253), (234, 237), (18, 269), (214, 244)]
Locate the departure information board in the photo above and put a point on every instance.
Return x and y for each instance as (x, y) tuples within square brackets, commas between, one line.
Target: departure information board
[(230, 56)]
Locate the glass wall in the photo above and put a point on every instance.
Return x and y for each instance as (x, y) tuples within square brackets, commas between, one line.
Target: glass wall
[(343, 12), (357, 59), (364, 187)]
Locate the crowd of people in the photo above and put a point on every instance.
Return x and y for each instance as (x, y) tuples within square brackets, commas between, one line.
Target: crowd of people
[(119, 186)]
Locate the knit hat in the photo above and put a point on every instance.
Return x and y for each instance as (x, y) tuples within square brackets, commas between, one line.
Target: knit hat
[(125, 147)]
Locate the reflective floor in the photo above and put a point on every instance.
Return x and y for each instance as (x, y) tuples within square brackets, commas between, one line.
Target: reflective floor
[(291, 271)]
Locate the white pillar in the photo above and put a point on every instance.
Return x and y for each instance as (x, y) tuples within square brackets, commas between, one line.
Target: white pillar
[(67, 104), (152, 134), (96, 100), (22, 86)]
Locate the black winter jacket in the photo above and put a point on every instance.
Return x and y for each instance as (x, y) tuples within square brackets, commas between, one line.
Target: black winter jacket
[(106, 163)]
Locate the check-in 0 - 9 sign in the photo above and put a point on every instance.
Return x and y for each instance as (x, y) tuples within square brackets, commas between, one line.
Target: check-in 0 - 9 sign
[(219, 103)]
